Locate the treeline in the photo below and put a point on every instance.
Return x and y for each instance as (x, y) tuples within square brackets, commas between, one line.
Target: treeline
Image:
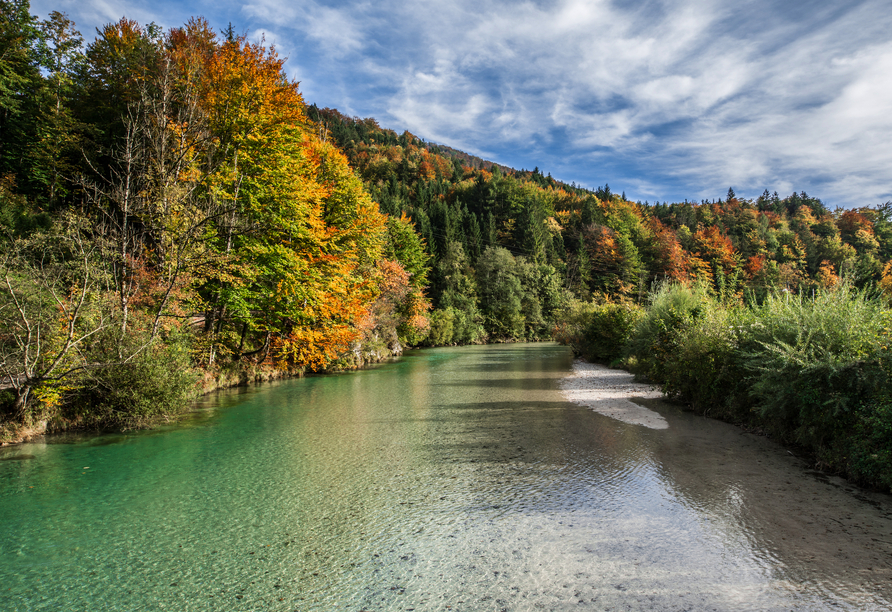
[(497, 257), (517, 246), (168, 211)]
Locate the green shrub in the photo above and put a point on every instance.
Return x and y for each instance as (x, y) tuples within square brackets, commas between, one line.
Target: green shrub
[(467, 328), (705, 368), (608, 330), (655, 337), (155, 384), (869, 452), (597, 331), (442, 327), (814, 361), (451, 325), (570, 323)]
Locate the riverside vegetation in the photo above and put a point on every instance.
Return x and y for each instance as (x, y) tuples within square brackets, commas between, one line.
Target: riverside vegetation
[(175, 218), (812, 370)]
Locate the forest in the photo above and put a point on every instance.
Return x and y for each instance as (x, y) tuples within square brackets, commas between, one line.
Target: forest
[(174, 217), (170, 214)]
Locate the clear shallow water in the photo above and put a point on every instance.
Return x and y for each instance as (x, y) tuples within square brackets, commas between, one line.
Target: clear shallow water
[(453, 479)]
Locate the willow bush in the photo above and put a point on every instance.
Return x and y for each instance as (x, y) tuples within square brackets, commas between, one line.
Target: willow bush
[(703, 365), (152, 384), (655, 338), (815, 362), (598, 332), (868, 457)]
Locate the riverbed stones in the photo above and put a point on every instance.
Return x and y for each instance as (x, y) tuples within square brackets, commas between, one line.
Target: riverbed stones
[(611, 393)]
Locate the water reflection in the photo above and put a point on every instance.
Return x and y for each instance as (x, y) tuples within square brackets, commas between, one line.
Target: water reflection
[(453, 479)]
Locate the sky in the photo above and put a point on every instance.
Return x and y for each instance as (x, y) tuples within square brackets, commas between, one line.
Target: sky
[(664, 100)]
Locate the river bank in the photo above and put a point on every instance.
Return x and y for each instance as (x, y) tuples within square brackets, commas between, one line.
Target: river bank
[(612, 392), (814, 371), (207, 381), (616, 394), (211, 380)]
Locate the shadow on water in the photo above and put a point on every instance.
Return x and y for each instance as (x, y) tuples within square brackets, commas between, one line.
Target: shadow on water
[(527, 382), (12, 457), (482, 408)]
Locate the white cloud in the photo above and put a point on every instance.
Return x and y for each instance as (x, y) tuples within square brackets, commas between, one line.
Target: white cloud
[(813, 107), (338, 31), (91, 14), (692, 95), (818, 112)]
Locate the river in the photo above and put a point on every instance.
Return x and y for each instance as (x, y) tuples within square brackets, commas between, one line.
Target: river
[(451, 479)]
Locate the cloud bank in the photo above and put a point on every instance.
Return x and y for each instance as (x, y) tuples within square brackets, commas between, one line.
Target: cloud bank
[(664, 99)]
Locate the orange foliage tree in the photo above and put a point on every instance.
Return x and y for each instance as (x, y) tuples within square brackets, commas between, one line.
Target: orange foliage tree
[(669, 259), (297, 237)]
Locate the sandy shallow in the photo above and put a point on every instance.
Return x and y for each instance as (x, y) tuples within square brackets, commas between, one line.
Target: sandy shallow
[(611, 393)]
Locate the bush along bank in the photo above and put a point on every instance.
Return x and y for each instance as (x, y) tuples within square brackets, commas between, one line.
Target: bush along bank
[(809, 370)]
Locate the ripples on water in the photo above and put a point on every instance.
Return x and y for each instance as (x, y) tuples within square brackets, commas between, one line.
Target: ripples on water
[(454, 479)]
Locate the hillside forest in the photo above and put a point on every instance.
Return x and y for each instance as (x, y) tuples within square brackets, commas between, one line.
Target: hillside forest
[(174, 217)]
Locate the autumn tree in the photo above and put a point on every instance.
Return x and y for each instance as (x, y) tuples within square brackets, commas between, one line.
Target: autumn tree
[(669, 259)]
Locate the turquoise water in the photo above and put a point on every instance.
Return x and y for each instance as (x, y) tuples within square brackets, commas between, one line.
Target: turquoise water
[(452, 479)]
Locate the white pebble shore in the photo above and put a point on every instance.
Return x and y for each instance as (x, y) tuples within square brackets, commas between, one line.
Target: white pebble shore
[(609, 392)]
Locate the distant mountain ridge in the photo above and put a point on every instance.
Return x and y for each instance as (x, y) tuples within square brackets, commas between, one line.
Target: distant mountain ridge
[(341, 125)]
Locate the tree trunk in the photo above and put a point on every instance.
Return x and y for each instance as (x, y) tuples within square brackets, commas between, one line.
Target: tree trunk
[(21, 402), (241, 342)]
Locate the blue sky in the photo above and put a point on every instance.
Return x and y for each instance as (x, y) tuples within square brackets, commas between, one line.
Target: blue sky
[(662, 99)]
